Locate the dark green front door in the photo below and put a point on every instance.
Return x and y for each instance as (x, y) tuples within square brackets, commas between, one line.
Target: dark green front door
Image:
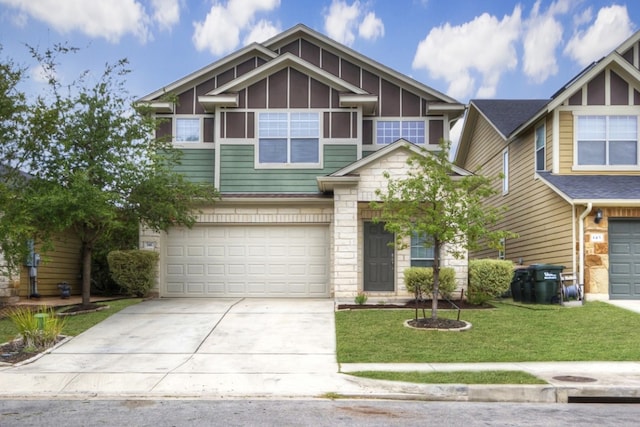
[(378, 258)]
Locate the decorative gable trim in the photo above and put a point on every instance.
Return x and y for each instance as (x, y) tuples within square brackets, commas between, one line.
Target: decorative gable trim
[(283, 61)]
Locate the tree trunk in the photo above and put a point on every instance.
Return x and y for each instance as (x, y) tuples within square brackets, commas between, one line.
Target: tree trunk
[(436, 278), (87, 252)]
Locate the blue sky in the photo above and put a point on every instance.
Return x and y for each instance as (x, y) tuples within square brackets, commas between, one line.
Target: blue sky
[(464, 48)]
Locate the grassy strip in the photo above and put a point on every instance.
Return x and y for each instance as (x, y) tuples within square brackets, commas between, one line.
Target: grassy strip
[(74, 325), (453, 377), (510, 333)]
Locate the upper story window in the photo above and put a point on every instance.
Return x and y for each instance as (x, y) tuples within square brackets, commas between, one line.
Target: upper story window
[(286, 138), (188, 130), (540, 148), (388, 131), (421, 255), (607, 140), (505, 171)]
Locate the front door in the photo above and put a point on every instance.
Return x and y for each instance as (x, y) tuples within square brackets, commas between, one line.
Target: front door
[(378, 258)]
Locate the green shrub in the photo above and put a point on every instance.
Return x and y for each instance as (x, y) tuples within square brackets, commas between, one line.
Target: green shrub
[(37, 334), (421, 279), (488, 278), (361, 298), (134, 270)]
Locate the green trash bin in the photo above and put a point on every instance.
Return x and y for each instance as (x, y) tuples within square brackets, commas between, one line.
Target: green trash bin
[(520, 275), (545, 282)]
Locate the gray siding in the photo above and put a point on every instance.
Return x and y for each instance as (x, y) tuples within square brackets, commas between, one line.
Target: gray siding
[(197, 165), (237, 173)]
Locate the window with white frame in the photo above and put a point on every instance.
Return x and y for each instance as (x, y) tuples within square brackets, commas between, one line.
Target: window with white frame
[(388, 131), (286, 138), (421, 250), (607, 140), (505, 171), (188, 129), (540, 148)]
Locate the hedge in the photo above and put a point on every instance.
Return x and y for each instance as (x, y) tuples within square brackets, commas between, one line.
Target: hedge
[(134, 270), (422, 277), (488, 278)]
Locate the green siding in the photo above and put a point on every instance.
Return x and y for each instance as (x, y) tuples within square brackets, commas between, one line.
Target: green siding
[(238, 175), (197, 165)]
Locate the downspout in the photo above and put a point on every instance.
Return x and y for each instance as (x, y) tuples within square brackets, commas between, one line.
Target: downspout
[(581, 244)]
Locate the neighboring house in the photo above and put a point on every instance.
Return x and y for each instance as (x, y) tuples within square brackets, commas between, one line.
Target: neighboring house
[(63, 264), (571, 169), (296, 133)]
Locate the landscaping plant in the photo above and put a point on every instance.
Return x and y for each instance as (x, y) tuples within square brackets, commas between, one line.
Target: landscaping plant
[(442, 204), (37, 333), (134, 270), (488, 278)]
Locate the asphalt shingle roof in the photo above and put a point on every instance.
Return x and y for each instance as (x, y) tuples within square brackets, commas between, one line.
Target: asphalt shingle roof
[(508, 114), (596, 187)]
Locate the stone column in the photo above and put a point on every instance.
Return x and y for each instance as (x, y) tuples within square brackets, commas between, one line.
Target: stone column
[(345, 242)]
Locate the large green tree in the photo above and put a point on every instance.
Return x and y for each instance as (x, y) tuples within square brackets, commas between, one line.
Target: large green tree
[(96, 163), (441, 205)]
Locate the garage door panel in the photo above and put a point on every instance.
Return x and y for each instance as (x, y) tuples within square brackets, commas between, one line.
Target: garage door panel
[(256, 260), (624, 262)]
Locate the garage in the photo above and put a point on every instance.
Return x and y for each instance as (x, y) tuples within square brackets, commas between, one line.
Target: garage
[(624, 259), (246, 261)]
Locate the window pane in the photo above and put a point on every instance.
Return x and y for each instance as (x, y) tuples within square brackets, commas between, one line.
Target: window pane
[(418, 249), (272, 151), (540, 160), (592, 128), (540, 137), (623, 153), (387, 131), (305, 125), (623, 128), (591, 152), (187, 130), (413, 131), (304, 150), (273, 125)]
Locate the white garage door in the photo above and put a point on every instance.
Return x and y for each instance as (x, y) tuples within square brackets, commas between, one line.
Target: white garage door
[(247, 261)]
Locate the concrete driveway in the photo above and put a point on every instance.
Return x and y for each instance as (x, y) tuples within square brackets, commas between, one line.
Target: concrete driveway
[(194, 348)]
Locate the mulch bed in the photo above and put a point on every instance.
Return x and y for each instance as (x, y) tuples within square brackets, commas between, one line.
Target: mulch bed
[(14, 351), (429, 323), (426, 304)]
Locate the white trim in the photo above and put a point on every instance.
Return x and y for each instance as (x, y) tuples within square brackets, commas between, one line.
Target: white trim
[(505, 171), (555, 141), (542, 125)]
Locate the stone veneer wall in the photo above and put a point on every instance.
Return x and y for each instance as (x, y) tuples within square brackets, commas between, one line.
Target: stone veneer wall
[(596, 254), (8, 285)]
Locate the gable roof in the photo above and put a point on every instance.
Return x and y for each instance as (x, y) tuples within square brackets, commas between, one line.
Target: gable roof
[(597, 189), (506, 115), (349, 173), (438, 102)]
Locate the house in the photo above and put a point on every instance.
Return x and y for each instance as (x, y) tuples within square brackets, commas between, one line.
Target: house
[(571, 170), (62, 264), (295, 133)]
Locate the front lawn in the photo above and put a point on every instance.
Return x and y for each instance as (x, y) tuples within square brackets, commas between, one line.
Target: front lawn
[(453, 377), (596, 331)]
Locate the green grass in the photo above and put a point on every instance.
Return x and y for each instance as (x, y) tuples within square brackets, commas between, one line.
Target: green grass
[(596, 331), (74, 325), (453, 377)]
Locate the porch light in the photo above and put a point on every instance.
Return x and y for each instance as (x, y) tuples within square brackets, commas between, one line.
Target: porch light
[(598, 216)]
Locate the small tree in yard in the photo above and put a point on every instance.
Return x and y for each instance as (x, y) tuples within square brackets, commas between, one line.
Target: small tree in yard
[(95, 164), (436, 202)]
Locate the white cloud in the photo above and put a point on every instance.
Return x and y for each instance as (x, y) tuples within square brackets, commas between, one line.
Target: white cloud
[(583, 18), (343, 20), (542, 37), (42, 74), (262, 31), (371, 27), (166, 13), (108, 19), (219, 33), (456, 53), (611, 27)]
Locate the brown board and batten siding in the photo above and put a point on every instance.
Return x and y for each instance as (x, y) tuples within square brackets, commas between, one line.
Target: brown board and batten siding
[(63, 264)]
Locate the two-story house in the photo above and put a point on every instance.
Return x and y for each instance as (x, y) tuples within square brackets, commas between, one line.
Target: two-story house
[(571, 168), (296, 133)]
